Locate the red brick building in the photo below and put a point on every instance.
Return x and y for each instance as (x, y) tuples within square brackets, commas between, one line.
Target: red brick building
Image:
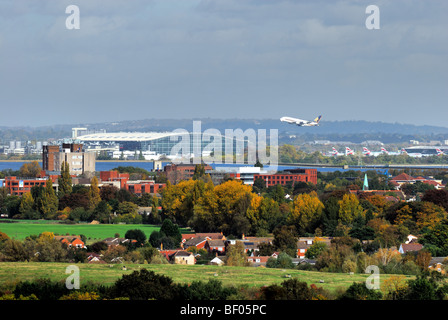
[(137, 187), (115, 176), (178, 172), (143, 186), (19, 186), (295, 175)]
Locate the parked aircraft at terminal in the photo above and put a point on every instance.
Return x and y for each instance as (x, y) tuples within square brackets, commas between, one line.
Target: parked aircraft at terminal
[(367, 152), (336, 153), (383, 150), (349, 151)]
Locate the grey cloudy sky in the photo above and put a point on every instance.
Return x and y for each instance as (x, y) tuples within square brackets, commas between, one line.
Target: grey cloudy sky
[(223, 59)]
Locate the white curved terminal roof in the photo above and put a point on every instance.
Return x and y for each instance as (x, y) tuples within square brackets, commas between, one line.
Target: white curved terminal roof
[(127, 136), (131, 136)]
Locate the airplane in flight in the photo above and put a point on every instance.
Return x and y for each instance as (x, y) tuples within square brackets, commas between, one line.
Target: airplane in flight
[(300, 122)]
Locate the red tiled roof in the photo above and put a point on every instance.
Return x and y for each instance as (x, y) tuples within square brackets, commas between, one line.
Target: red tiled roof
[(411, 247), (403, 177)]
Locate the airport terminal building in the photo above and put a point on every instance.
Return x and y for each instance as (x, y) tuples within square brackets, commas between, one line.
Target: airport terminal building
[(422, 151), (161, 143)]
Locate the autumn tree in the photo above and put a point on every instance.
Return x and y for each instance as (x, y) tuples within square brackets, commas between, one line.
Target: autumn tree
[(31, 169), (235, 255), (65, 180), (349, 208), (233, 201), (285, 239), (438, 197), (179, 200), (49, 201), (205, 216), (306, 212), (423, 259), (27, 204), (94, 193)]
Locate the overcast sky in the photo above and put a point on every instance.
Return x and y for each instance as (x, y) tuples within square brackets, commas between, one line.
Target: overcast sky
[(135, 59)]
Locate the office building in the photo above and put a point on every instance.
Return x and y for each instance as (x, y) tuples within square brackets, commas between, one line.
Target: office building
[(72, 153)]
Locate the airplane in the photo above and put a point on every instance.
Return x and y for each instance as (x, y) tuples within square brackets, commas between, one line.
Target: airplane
[(349, 151), (383, 150), (300, 122), (336, 153), (367, 152)]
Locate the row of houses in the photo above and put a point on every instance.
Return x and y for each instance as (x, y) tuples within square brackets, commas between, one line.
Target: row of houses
[(404, 178), (217, 243)]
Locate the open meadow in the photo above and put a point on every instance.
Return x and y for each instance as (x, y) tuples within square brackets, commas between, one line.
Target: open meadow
[(105, 274), (93, 232)]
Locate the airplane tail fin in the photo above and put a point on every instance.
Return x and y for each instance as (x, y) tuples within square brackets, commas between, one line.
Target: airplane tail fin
[(349, 151), (318, 119)]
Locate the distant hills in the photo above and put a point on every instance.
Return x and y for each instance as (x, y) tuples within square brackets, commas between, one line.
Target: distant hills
[(331, 130)]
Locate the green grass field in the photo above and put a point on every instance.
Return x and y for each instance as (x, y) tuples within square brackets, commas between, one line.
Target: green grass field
[(93, 232), (12, 272)]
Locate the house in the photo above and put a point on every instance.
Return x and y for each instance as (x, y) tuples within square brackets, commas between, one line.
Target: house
[(438, 264), (302, 248), (258, 240), (410, 247), (304, 261), (167, 253), (198, 242), (179, 256), (71, 241), (212, 236), (187, 236), (250, 246), (304, 243), (215, 246), (93, 257), (258, 261), (183, 257), (404, 178), (144, 211), (411, 239), (117, 241), (218, 261)]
